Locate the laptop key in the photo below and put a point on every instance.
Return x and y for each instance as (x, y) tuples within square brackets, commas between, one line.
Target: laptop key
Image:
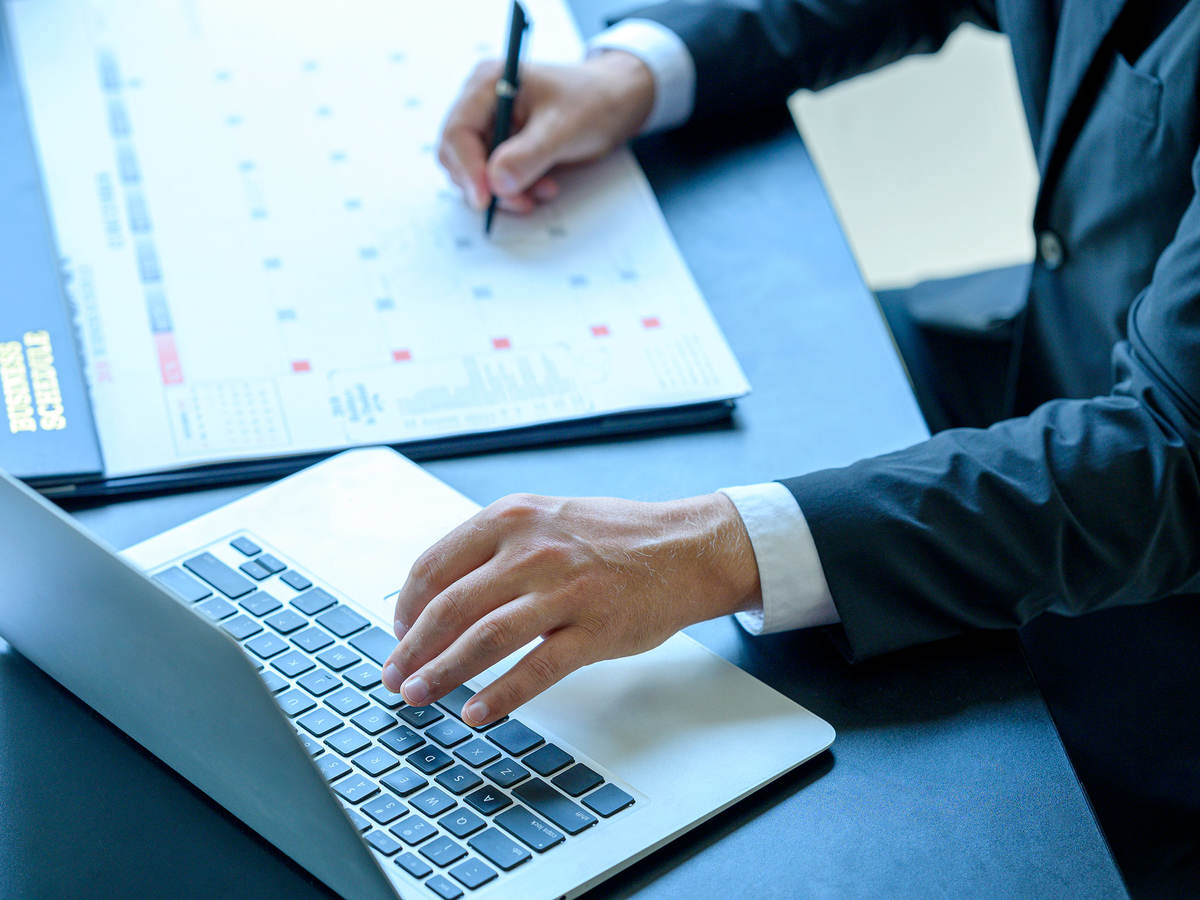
[(312, 639), (375, 642), (413, 865), (348, 741), (255, 570), (413, 830), (245, 546), (313, 748), (224, 579), (365, 676), (320, 722), (285, 621), (312, 601), (578, 779), (429, 760), (461, 822), (499, 850), (454, 701), (506, 773), (295, 580), (294, 703), (338, 658), (216, 609), (375, 761), (529, 829), (477, 753), (271, 564), (374, 720), (356, 789), (404, 782), (546, 801), (384, 844), (359, 822), (346, 701), (472, 873), (433, 802), (548, 760), (448, 732), (265, 646), (420, 716), (343, 621), (332, 767), (319, 683), (488, 800), (183, 585), (514, 737), (444, 887), (384, 697), (401, 739), (459, 779), (274, 683), (292, 663), (607, 801), (259, 603), (442, 851), (384, 809), (241, 627)]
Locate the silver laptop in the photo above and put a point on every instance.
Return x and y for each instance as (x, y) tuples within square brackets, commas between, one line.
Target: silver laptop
[(243, 649)]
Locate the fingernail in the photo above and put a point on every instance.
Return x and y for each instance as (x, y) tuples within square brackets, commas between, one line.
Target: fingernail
[(391, 677), (416, 691), (475, 712), (477, 199), (400, 629), (506, 183)]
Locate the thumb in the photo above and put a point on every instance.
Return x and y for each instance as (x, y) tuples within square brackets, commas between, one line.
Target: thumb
[(529, 154)]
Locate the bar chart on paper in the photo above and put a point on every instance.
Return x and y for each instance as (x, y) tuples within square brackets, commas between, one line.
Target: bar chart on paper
[(266, 260)]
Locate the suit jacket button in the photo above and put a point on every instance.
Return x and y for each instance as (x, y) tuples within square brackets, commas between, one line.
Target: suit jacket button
[(1050, 249)]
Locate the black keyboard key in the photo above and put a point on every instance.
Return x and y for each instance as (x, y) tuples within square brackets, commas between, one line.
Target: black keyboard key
[(215, 609), (506, 773), (461, 823), (404, 782), (383, 843), (271, 564), (454, 701), (384, 697), (347, 742), (374, 720), (320, 722), (265, 646), (313, 748), (375, 761), (578, 779), (444, 887), (241, 627), (488, 800), (183, 585), (359, 822), (448, 732), (346, 701), (401, 739), (219, 575), (420, 716), (384, 809), (515, 738), (295, 580), (294, 703), (292, 663), (429, 760), (285, 621), (245, 546), (375, 642), (472, 873), (255, 570), (433, 802), (310, 640), (607, 801), (319, 683), (477, 753), (413, 865), (546, 801), (312, 602), (548, 760), (459, 779), (356, 789), (343, 621), (274, 683), (413, 830), (332, 767), (442, 851), (498, 849), (338, 658), (365, 676), (259, 603), (528, 829)]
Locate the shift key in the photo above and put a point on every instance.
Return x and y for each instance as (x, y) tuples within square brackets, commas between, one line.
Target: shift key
[(567, 815), (219, 575)]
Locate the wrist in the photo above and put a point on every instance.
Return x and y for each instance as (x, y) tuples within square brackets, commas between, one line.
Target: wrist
[(628, 90), (726, 579)]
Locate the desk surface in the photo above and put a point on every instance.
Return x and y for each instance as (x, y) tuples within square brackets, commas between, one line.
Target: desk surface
[(947, 775)]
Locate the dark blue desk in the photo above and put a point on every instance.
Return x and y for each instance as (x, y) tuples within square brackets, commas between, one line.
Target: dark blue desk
[(947, 776)]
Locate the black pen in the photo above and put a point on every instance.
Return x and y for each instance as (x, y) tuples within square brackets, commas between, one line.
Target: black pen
[(506, 91)]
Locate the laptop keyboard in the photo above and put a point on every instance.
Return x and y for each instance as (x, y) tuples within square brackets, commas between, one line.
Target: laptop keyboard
[(454, 807)]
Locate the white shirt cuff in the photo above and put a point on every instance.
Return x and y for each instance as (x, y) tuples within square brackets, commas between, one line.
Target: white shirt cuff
[(668, 59), (794, 590)]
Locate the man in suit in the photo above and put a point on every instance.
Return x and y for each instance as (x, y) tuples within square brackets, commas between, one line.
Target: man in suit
[(1064, 474)]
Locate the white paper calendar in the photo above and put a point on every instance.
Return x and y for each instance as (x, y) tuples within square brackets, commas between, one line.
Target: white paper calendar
[(266, 260)]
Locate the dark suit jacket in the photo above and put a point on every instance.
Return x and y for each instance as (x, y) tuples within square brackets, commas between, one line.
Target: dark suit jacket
[(1090, 497)]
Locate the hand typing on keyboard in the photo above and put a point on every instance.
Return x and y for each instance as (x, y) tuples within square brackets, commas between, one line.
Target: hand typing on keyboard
[(596, 578)]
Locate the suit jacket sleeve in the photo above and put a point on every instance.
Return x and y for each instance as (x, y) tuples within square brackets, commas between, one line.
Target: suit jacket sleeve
[(757, 53), (1081, 505)]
